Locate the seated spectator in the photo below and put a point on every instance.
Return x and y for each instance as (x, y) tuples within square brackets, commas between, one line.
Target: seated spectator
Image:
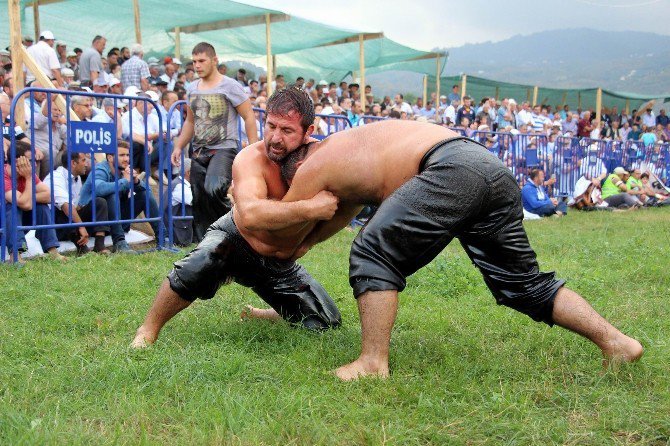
[(24, 202), (635, 186), (67, 204), (144, 132), (536, 200), (615, 192), (106, 179), (182, 229), (635, 133), (56, 135), (648, 136)]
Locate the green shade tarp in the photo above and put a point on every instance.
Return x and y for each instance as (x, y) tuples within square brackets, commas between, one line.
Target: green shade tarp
[(478, 87)]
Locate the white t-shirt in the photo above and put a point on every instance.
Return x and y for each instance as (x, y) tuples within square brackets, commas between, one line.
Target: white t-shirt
[(138, 123), (45, 57)]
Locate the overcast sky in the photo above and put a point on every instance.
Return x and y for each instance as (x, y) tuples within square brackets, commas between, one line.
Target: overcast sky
[(426, 24)]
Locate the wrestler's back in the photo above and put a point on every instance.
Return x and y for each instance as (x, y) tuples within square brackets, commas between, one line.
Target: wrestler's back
[(368, 163)]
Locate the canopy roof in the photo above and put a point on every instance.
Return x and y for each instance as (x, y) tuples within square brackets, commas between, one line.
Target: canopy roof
[(478, 87), (236, 30)]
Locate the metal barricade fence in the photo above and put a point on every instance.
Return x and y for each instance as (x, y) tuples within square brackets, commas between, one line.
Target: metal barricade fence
[(633, 153), (365, 119), (2, 190), (92, 138), (176, 109), (564, 165), (335, 123)]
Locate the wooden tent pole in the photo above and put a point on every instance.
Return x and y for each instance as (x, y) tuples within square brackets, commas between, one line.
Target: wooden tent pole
[(138, 30), (16, 46), (36, 19), (464, 86), (599, 103), (425, 89), (177, 42), (535, 91), (437, 80), (268, 51), (361, 63)]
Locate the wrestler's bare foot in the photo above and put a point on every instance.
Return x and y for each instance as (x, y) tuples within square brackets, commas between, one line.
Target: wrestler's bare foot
[(620, 350), (363, 367), (250, 312), (143, 338)]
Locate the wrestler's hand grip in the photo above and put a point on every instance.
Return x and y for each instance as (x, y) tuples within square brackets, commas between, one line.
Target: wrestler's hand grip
[(323, 205)]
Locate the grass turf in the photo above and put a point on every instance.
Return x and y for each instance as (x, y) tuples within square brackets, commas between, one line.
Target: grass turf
[(464, 371)]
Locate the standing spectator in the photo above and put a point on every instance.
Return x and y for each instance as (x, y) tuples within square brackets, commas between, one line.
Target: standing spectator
[(570, 123), (524, 116), (648, 118), (536, 200), (401, 105), (170, 75), (584, 126), (416, 108), (46, 58), (90, 63), (135, 71), (215, 102), (67, 185), (455, 94), (449, 117), (466, 111), (662, 118), (24, 202)]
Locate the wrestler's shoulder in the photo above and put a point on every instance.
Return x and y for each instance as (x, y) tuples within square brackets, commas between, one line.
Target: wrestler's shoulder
[(252, 152)]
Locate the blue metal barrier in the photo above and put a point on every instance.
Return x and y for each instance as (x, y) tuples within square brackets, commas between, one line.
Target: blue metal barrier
[(46, 109), (366, 119), (335, 123), (177, 107), (2, 190)]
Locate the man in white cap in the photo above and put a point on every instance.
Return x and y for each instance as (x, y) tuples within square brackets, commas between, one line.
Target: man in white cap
[(46, 58), (115, 86), (68, 76), (73, 64)]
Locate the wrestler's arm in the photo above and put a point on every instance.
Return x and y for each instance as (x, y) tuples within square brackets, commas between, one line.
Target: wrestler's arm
[(256, 212), (310, 179)]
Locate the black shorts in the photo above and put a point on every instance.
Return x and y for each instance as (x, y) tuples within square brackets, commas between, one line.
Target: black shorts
[(224, 255), (461, 191)]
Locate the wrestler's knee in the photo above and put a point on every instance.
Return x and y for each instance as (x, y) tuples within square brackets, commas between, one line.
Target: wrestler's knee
[(200, 274), (369, 271)]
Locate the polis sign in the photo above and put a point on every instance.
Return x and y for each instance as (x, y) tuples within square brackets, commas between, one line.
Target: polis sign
[(92, 137)]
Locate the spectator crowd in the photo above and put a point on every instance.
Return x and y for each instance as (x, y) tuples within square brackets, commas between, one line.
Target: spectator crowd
[(116, 191)]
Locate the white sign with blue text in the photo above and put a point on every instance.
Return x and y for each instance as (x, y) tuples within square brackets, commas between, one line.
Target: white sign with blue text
[(92, 137)]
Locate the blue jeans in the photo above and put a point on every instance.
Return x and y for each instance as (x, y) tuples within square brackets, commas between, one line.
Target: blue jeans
[(550, 209), (46, 237), (118, 230)]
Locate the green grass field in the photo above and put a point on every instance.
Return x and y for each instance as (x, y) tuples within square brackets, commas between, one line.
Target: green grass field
[(464, 371)]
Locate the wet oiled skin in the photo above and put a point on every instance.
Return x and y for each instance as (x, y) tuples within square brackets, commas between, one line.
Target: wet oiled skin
[(363, 165)]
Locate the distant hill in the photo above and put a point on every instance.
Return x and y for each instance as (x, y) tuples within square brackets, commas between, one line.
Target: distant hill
[(630, 61)]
